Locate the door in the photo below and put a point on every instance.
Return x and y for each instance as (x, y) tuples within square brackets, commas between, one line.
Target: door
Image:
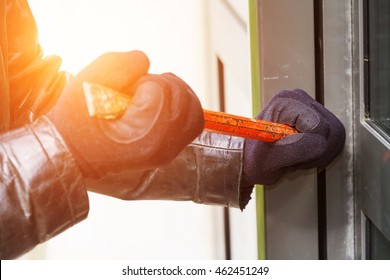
[(308, 45), (373, 129)]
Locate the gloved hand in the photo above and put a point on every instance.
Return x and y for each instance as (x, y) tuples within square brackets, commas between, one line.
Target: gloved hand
[(320, 141), (165, 116)]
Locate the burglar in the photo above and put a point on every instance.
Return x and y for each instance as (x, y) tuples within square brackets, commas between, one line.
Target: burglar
[(52, 152)]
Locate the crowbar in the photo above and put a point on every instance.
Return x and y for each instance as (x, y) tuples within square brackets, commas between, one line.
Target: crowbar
[(107, 103)]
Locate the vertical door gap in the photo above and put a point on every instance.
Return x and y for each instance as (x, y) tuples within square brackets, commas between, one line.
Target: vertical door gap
[(320, 97), (226, 216)]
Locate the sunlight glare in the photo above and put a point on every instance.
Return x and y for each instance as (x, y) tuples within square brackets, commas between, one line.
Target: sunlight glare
[(80, 31)]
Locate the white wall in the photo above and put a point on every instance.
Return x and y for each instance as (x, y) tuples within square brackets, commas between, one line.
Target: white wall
[(170, 32)]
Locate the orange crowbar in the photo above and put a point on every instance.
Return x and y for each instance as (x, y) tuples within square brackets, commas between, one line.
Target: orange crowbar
[(106, 103)]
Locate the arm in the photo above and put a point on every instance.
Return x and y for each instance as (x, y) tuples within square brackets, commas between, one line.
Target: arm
[(222, 170), (41, 189)]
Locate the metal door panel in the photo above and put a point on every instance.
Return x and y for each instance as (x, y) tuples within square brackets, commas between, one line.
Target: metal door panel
[(287, 62), (338, 70)]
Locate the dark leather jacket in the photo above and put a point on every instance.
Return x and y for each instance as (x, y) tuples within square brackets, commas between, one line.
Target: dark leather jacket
[(41, 190)]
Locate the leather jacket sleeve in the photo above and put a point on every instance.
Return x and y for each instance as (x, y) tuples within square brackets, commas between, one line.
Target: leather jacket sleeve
[(42, 192), (207, 171)]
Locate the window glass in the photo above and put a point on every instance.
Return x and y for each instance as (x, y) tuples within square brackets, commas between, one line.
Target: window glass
[(377, 60), (378, 247)]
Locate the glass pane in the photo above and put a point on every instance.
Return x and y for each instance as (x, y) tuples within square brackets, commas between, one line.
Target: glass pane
[(377, 52), (378, 247)]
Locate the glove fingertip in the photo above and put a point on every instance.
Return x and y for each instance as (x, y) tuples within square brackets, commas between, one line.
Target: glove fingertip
[(140, 61)]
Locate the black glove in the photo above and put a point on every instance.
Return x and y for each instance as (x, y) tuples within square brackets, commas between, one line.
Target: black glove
[(320, 141), (164, 117)]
